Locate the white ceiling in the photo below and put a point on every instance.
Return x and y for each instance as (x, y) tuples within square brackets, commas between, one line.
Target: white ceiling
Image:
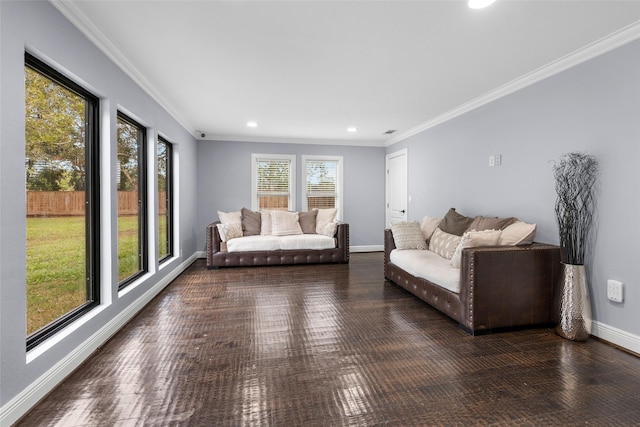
[(307, 70)]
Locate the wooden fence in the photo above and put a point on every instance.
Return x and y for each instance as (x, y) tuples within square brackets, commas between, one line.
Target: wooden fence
[(282, 203), (72, 203)]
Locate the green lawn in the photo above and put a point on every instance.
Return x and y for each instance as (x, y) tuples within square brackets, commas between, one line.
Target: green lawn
[(55, 268), (127, 246), (56, 264)]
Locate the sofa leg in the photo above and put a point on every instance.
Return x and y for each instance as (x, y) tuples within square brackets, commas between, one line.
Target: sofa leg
[(466, 329), (212, 267)]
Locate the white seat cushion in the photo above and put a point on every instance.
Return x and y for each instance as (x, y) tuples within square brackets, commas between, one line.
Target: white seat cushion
[(272, 243), (429, 266)]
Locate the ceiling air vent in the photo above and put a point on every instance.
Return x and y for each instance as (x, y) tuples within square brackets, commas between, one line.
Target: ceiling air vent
[(390, 131)]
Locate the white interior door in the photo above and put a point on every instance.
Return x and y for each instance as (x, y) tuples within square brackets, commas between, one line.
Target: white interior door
[(396, 184)]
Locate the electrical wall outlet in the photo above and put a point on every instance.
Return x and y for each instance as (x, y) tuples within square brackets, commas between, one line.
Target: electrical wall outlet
[(614, 291), (498, 158)]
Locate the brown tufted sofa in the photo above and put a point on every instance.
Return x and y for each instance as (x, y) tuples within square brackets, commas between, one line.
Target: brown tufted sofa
[(501, 286), (219, 258)]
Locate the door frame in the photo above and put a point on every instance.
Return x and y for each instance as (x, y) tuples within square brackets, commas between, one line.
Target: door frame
[(403, 152)]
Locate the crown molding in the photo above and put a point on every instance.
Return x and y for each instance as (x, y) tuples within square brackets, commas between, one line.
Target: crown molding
[(599, 47), (590, 51), (86, 27), (288, 140)]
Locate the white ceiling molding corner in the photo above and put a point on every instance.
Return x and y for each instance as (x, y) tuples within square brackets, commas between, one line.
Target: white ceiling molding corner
[(243, 69), (597, 48), (70, 11), (288, 140)]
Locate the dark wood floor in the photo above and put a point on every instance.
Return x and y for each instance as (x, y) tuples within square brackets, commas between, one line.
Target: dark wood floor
[(332, 345)]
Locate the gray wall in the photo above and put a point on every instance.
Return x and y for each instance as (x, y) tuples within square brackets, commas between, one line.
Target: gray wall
[(593, 107), (224, 179), (39, 27)]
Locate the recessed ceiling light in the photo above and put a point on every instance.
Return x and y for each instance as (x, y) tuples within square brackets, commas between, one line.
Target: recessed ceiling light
[(252, 124), (352, 129), (479, 4)]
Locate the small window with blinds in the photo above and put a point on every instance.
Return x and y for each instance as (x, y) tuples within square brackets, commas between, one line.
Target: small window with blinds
[(273, 182), (322, 182)]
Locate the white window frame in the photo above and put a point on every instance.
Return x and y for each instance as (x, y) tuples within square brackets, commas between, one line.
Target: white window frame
[(254, 177), (339, 178)]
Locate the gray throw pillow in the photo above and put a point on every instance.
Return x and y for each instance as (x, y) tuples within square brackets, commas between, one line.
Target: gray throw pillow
[(251, 222), (455, 223), (308, 222)]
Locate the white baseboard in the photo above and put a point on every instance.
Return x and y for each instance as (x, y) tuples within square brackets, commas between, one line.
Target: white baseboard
[(32, 394), (616, 336), (366, 248), (201, 254)]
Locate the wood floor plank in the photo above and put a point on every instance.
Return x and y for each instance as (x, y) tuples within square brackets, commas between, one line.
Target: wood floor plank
[(332, 345)]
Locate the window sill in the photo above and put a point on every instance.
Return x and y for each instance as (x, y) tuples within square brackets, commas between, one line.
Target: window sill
[(49, 343)]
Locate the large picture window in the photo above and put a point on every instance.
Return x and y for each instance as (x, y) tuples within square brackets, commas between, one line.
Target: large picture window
[(273, 181), (164, 155), (322, 182), (132, 201), (62, 181)]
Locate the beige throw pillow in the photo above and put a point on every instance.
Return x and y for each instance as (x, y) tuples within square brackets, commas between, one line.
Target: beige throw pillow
[(285, 223), (328, 229), (229, 217), (517, 234), (408, 235), (265, 223), (229, 231), (325, 216), (444, 244), (486, 223), (429, 225), (474, 239)]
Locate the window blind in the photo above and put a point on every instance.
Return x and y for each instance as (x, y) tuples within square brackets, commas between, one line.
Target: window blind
[(274, 183), (273, 177), (321, 183)]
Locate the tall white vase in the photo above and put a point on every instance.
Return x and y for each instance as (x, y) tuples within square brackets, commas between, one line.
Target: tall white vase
[(575, 306)]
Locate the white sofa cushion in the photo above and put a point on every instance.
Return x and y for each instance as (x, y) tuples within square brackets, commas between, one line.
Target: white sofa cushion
[(273, 243), (429, 266)]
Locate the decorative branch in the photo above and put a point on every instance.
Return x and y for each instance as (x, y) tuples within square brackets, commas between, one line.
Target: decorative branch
[(576, 175)]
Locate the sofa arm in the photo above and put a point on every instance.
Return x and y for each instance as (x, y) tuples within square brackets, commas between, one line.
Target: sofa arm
[(342, 240), (389, 245), (509, 285), (213, 241)]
